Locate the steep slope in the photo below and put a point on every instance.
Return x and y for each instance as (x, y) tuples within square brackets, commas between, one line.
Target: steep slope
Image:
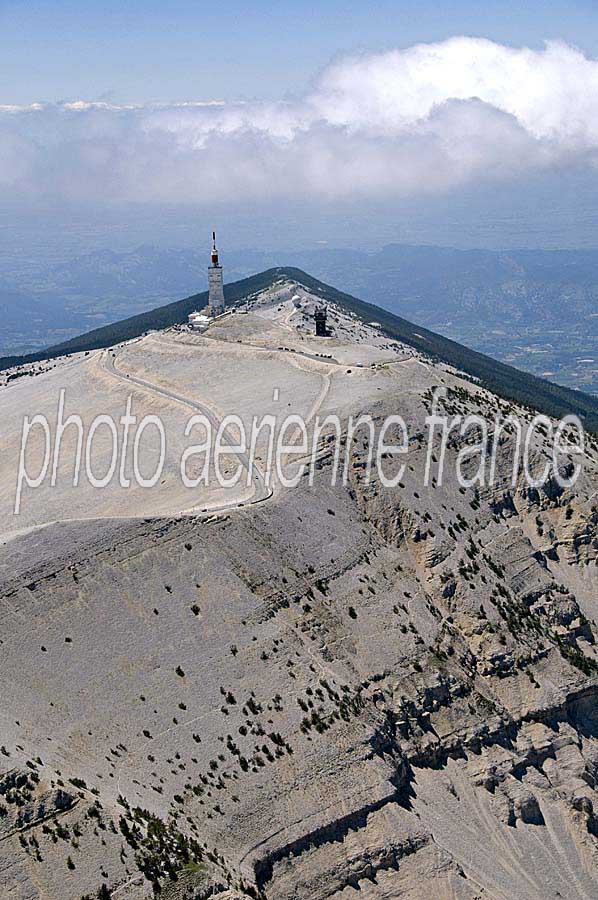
[(496, 376), (345, 689), (503, 379)]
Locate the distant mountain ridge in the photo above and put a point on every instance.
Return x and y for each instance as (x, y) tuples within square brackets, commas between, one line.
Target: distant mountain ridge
[(557, 286), (504, 380), (534, 309)]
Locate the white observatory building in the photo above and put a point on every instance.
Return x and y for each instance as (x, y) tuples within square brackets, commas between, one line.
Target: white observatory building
[(216, 291), (199, 321)]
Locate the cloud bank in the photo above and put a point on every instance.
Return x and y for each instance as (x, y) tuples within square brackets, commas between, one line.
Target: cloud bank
[(422, 120)]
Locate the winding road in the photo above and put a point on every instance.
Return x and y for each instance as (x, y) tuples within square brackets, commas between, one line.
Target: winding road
[(261, 491)]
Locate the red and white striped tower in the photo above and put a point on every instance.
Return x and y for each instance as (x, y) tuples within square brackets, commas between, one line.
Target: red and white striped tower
[(216, 291)]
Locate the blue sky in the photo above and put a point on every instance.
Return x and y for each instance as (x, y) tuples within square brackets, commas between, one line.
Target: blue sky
[(132, 51)]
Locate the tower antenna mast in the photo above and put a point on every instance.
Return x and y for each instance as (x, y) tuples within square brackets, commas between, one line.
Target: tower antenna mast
[(216, 291)]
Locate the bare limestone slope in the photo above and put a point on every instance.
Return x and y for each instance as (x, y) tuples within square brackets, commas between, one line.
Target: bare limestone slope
[(327, 691)]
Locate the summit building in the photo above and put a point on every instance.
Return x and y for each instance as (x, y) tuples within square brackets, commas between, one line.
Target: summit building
[(216, 290), (199, 321)]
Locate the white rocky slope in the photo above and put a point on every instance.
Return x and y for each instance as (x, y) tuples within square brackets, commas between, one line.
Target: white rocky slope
[(321, 691)]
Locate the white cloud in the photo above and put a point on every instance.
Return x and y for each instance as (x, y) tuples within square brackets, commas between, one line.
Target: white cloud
[(425, 119)]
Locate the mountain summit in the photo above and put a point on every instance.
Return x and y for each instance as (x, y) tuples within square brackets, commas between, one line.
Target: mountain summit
[(365, 665), (503, 379)]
